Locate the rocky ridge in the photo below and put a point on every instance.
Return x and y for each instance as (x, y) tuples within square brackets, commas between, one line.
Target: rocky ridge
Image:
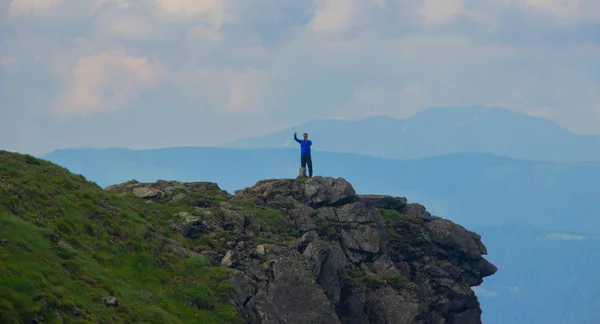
[(314, 251)]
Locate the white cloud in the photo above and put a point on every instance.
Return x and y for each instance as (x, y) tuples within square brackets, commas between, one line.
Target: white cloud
[(23, 7), (436, 12), (563, 9), (127, 26), (347, 58), (246, 92), (563, 237), (225, 91), (480, 291), (214, 12), (539, 111), (333, 15), (252, 54), (514, 289), (106, 82), (121, 4), (397, 102), (204, 34)]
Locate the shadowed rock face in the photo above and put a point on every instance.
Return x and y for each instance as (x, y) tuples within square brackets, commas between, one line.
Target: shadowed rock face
[(353, 258), (353, 266)]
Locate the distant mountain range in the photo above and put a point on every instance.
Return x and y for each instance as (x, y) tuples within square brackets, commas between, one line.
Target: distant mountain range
[(472, 189), (441, 131)]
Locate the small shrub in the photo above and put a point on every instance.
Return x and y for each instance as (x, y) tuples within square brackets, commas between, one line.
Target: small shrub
[(73, 266), (389, 214), (295, 233), (273, 219), (31, 160), (196, 262), (64, 226), (64, 253), (397, 280)]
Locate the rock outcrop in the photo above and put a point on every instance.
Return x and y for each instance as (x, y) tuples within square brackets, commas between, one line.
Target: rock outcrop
[(314, 251)]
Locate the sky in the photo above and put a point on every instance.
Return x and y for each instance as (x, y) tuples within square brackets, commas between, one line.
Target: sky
[(157, 73)]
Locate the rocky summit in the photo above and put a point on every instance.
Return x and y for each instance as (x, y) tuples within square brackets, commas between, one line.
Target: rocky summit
[(305, 250), (314, 251)]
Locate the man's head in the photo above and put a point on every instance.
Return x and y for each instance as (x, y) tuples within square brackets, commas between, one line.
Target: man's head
[(305, 135)]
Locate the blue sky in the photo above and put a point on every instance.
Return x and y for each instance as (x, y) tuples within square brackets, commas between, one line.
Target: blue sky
[(155, 73)]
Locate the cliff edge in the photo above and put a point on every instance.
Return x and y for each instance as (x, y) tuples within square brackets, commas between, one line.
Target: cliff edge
[(314, 251)]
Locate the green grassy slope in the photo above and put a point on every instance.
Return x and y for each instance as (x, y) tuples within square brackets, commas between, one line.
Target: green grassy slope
[(66, 245)]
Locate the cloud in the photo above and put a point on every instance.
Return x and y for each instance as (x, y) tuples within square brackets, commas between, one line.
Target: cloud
[(126, 25), (225, 91), (480, 291), (214, 12), (436, 12), (377, 100), (333, 15), (121, 4), (514, 288), (106, 82), (563, 237), (572, 10), (38, 7), (268, 60), (539, 111), (246, 92), (204, 34)]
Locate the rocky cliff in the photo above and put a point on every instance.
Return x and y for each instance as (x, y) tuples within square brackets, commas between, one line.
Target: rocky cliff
[(314, 251)]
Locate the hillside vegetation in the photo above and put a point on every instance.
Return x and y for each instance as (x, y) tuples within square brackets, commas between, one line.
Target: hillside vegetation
[(71, 252)]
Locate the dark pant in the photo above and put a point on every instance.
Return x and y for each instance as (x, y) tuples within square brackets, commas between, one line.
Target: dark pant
[(306, 159)]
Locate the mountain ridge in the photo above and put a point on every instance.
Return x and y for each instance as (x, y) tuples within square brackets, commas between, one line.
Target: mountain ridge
[(440, 130)]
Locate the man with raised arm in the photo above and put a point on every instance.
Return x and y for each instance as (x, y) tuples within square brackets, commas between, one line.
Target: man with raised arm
[(305, 157)]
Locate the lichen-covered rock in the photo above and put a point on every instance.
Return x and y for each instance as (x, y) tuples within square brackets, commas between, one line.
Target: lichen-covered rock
[(314, 192), (227, 260), (327, 191), (147, 192), (416, 211), (203, 193), (110, 301), (310, 250), (351, 266)]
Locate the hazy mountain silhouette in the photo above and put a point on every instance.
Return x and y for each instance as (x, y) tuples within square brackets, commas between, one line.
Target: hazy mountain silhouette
[(440, 131)]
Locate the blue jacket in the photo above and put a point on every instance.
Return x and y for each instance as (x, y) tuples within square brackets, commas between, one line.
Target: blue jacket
[(304, 146)]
